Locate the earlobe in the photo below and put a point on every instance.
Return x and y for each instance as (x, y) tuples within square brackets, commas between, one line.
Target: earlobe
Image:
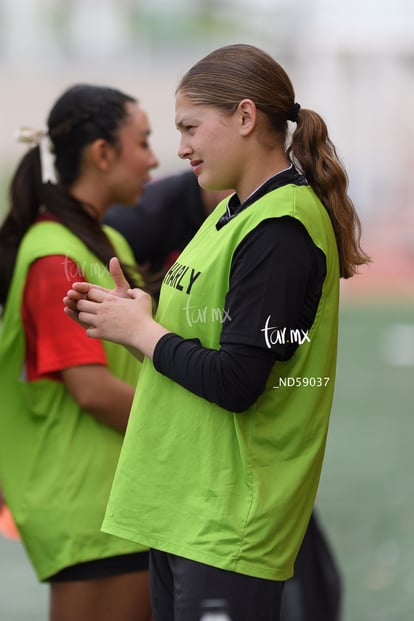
[(248, 115)]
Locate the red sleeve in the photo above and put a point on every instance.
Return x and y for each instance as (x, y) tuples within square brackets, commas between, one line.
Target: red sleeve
[(53, 340)]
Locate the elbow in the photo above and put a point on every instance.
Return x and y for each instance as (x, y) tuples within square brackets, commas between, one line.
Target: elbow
[(237, 396), (86, 396), (240, 409), (237, 388), (86, 401), (242, 406), (237, 404)]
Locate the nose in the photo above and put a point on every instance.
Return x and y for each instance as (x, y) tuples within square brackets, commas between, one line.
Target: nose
[(184, 149), (154, 161)]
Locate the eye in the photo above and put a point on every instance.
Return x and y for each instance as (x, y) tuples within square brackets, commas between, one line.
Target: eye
[(186, 129)]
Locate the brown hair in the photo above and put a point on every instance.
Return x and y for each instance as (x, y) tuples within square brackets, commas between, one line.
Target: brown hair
[(235, 72)]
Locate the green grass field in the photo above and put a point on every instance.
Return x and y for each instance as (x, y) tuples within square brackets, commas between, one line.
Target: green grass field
[(366, 496), (366, 500)]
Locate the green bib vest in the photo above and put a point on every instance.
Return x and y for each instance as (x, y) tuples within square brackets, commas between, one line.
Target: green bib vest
[(56, 461), (232, 490)]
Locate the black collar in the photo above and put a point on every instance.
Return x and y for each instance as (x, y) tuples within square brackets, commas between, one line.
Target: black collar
[(286, 177)]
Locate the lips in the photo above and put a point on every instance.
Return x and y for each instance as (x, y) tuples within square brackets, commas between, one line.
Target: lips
[(196, 165)]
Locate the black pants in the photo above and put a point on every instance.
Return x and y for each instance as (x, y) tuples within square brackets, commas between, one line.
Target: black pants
[(315, 592), (178, 586)]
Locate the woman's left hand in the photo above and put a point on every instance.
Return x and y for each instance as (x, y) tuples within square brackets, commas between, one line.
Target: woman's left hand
[(112, 318)]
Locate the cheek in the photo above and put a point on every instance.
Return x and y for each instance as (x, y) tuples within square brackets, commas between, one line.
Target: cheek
[(129, 167), (140, 161), (220, 143)]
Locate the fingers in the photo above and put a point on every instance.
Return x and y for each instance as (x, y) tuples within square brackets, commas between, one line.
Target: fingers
[(82, 308), (87, 318), (144, 299), (73, 296), (117, 274), (96, 295), (85, 313), (136, 293), (72, 313), (69, 302), (81, 287)]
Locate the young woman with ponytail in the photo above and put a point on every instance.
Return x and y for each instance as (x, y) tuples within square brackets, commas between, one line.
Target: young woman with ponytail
[(222, 457), (65, 398)]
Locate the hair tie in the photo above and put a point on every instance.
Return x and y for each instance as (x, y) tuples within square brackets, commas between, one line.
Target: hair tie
[(294, 112), (40, 138)]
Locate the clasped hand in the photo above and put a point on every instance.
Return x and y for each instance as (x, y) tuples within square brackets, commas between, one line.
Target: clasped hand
[(121, 315)]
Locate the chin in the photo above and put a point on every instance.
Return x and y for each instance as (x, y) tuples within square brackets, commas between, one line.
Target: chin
[(211, 185), (205, 181), (211, 182), (132, 201)]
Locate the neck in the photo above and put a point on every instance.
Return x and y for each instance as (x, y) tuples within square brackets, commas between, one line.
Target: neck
[(91, 198), (262, 169)]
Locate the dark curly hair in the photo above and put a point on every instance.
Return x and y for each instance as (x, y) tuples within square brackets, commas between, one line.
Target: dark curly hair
[(83, 114)]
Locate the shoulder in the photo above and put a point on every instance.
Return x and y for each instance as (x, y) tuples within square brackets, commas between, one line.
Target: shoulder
[(53, 268), (278, 245), (285, 233)]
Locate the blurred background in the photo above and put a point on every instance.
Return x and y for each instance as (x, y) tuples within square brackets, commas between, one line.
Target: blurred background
[(353, 62)]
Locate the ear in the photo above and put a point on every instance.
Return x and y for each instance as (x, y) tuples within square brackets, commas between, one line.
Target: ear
[(248, 116), (102, 154)]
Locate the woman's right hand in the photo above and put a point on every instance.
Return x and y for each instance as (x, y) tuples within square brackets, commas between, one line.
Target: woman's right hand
[(122, 315)]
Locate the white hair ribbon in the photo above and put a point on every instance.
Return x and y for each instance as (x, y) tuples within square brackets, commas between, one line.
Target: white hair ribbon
[(40, 137)]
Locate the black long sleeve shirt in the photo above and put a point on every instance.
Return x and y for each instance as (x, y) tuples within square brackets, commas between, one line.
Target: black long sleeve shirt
[(277, 272)]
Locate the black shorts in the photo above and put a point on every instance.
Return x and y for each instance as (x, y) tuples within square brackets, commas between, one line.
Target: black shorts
[(103, 568), (179, 586)]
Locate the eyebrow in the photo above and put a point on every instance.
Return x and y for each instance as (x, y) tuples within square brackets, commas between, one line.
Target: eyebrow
[(181, 122)]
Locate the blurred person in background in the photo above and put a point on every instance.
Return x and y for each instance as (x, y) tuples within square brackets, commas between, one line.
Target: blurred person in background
[(221, 461), (168, 215), (7, 526), (66, 399)]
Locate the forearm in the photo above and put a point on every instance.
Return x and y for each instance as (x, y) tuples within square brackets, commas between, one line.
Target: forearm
[(112, 407), (232, 377), (101, 394), (135, 352), (143, 340)]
